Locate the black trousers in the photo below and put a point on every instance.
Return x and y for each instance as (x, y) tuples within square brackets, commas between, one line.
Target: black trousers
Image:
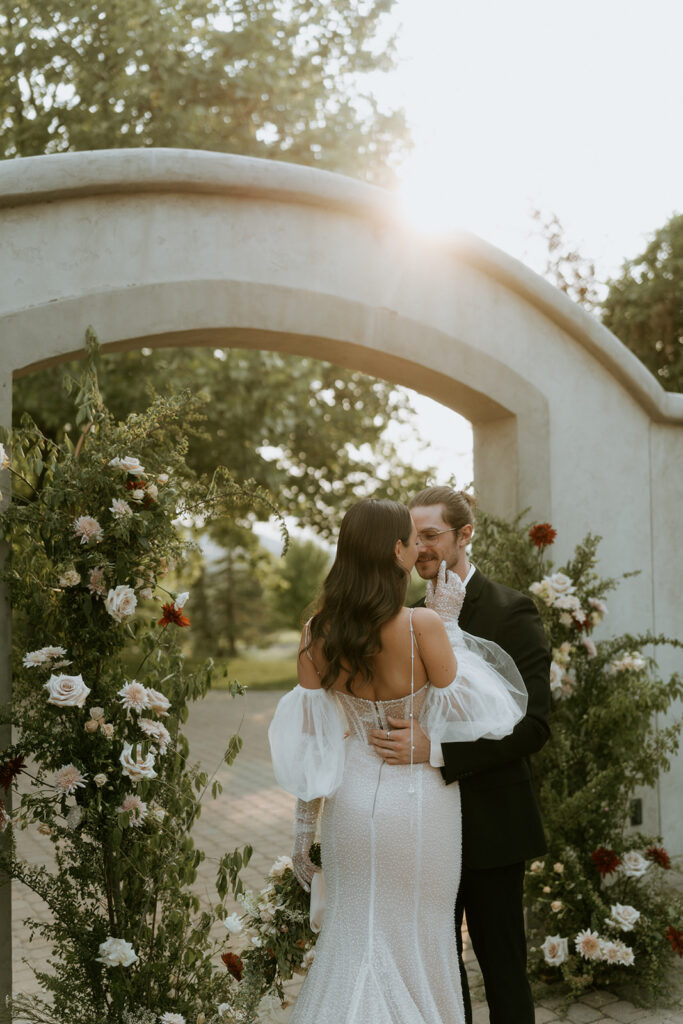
[(491, 899)]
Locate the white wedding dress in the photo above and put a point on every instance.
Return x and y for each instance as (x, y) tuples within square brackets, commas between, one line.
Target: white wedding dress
[(390, 840)]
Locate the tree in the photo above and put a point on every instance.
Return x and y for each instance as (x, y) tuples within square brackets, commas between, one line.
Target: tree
[(256, 77), (644, 306), (309, 432), (304, 567), (565, 267)]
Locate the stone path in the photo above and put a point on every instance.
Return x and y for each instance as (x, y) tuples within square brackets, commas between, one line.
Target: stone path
[(253, 810)]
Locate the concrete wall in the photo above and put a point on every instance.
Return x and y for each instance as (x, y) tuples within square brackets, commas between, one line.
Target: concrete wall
[(165, 247)]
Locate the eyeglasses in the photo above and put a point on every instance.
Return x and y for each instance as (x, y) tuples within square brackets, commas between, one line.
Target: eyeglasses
[(429, 535)]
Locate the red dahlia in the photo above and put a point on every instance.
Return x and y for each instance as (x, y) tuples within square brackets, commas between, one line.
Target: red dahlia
[(173, 615), (676, 939), (234, 964), (10, 770), (659, 855), (605, 861), (542, 535)]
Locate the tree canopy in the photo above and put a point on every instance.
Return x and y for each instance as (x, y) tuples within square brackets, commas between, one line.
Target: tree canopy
[(644, 305), (269, 78), (310, 433)]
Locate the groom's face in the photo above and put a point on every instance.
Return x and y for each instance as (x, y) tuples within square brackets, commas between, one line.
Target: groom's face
[(436, 541)]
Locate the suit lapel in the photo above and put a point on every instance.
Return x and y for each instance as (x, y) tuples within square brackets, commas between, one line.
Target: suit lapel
[(472, 595)]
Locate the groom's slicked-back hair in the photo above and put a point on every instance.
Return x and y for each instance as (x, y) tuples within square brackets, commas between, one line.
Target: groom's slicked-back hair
[(458, 505)]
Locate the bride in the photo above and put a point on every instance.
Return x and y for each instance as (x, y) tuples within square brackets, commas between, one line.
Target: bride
[(390, 835)]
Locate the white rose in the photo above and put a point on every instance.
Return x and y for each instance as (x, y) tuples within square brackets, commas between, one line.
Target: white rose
[(5, 819), (565, 619), (163, 478), (633, 865), (134, 765), (99, 779), (172, 1018), (556, 906), (558, 868), (70, 578), (537, 866), (281, 865), (116, 953), (555, 950), (137, 494), (623, 917), (121, 602), (91, 726), (567, 602), (67, 691), (108, 729), (233, 923), (130, 464), (4, 458), (561, 584), (555, 678), (152, 491), (181, 600), (157, 701)]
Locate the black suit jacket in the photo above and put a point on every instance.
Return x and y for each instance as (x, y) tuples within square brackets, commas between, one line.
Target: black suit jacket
[(500, 816)]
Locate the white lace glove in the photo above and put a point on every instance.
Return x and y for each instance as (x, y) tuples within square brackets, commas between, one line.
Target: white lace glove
[(306, 814), (445, 596)]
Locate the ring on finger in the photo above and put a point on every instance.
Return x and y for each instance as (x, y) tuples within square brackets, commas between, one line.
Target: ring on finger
[(388, 734)]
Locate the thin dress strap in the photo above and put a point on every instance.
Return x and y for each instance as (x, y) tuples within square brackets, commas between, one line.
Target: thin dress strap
[(411, 787)]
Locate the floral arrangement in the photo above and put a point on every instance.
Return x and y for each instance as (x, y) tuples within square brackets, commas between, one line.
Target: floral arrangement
[(600, 910), (100, 695), (275, 921)]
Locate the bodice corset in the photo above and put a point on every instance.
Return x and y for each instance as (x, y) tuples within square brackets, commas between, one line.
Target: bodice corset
[(365, 715)]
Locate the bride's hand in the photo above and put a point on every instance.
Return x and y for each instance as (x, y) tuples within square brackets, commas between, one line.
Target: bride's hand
[(395, 747)]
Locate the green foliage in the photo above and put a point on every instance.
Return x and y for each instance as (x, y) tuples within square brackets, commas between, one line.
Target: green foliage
[(304, 568), (605, 741), (306, 431), (644, 305), (120, 826), (254, 77)]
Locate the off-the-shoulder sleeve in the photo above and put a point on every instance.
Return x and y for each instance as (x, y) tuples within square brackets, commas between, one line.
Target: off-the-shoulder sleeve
[(479, 703), (307, 743)]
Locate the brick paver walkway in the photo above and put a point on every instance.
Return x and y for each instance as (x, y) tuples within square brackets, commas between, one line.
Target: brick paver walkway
[(254, 810)]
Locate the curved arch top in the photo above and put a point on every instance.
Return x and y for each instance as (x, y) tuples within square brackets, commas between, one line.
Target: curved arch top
[(71, 176)]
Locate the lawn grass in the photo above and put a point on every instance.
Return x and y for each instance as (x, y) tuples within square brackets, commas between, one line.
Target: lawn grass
[(258, 673)]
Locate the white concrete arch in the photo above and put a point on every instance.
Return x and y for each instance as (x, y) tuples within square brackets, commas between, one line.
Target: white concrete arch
[(172, 247)]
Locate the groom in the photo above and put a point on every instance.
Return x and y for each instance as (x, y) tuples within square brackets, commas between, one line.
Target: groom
[(501, 823)]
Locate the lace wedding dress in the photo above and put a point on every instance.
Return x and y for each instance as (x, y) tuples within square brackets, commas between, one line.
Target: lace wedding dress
[(390, 840)]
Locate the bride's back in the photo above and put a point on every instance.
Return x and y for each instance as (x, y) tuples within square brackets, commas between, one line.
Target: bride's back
[(391, 667)]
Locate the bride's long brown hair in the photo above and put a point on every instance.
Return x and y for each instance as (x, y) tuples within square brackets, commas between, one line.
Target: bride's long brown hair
[(365, 588)]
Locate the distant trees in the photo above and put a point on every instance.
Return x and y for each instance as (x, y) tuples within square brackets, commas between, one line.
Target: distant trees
[(643, 306)]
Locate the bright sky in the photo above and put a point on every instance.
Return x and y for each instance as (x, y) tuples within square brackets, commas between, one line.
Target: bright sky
[(572, 107)]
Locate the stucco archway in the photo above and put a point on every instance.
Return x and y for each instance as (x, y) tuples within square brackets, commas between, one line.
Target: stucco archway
[(166, 247)]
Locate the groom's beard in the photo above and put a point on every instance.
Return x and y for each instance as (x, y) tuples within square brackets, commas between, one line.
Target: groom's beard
[(427, 566)]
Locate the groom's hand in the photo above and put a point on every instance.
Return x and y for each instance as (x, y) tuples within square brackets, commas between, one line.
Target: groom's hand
[(396, 749)]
